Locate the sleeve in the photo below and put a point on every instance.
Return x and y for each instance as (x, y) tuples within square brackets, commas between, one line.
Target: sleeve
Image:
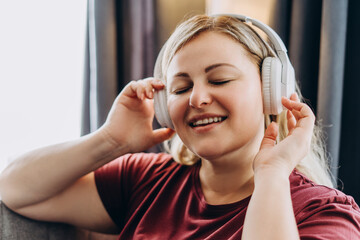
[(117, 181), (331, 218), (111, 184)]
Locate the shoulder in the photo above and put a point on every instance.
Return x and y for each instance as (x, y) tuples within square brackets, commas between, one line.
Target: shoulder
[(136, 170), (138, 163), (143, 158), (318, 208), (304, 191)]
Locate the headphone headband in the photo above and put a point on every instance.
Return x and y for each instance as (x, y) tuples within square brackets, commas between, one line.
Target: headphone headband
[(280, 49), (273, 36)]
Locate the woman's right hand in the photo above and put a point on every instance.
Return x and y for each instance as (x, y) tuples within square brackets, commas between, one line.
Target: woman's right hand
[(129, 123), (69, 192)]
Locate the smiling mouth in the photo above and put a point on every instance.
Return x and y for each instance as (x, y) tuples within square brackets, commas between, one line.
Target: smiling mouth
[(207, 121)]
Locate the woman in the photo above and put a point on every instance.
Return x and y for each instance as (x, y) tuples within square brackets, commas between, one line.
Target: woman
[(238, 181)]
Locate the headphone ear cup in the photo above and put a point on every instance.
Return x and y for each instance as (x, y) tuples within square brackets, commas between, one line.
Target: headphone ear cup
[(161, 110), (271, 85), (160, 97)]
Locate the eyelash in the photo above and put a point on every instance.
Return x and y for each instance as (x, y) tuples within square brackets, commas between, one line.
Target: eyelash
[(180, 91), (216, 83), (219, 82)]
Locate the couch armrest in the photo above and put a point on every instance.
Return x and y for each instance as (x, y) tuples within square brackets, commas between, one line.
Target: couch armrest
[(15, 227)]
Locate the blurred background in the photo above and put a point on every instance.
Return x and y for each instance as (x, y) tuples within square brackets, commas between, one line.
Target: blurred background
[(42, 46), (63, 62)]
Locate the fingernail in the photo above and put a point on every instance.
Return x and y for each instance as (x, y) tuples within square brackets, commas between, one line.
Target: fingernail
[(158, 81)]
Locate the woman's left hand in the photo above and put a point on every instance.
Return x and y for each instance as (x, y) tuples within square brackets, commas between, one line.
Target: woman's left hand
[(280, 159)]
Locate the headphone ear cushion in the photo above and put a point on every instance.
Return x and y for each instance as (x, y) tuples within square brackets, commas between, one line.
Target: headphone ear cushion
[(161, 110), (271, 85), (160, 97)]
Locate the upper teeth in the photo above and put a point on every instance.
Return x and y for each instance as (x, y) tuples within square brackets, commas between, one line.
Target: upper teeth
[(207, 120)]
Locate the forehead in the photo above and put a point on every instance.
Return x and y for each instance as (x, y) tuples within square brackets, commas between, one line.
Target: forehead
[(208, 48)]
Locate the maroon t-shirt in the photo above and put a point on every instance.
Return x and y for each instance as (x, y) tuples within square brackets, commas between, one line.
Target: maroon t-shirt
[(150, 196)]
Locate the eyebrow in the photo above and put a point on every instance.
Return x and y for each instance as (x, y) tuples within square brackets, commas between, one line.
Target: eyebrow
[(207, 69), (216, 65), (181, 74)]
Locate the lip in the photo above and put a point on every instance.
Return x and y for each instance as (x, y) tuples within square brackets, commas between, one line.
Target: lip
[(203, 116), (205, 128)]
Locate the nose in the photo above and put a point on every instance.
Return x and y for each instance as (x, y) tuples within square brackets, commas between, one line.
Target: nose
[(200, 97)]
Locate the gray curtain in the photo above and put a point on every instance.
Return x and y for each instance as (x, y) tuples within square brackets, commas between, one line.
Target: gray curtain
[(349, 156), (100, 76), (119, 48), (322, 39)]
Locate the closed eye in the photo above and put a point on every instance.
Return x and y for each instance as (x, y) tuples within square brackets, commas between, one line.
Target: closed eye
[(219, 82), (181, 90)]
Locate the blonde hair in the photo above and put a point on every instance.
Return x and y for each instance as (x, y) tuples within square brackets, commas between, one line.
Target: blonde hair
[(314, 165)]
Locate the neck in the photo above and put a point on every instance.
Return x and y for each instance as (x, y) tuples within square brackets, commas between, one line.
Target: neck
[(229, 177), (225, 181)]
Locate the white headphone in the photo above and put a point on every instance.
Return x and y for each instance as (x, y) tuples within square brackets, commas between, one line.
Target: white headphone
[(278, 77)]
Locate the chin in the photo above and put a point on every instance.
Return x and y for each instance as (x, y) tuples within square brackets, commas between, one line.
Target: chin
[(209, 153), (223, 150)]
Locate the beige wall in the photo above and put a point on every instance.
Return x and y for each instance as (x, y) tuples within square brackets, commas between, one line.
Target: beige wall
[(171, 12), (258, 9)]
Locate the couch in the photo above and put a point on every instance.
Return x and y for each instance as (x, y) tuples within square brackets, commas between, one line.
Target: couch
[(15, 227)]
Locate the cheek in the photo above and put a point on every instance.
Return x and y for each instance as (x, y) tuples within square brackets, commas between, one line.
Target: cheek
[(250, 95), (246, 103), (177, 108)]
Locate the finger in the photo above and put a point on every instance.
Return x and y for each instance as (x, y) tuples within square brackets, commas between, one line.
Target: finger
[(305, 122), (148, 88), (270, 136), (291, 121), (157, 84), (152, 84), (141, 89), (294, 105), (303, 110), (130, 89), (135, 89), (162, 134), (297, 115), (294, 97)]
